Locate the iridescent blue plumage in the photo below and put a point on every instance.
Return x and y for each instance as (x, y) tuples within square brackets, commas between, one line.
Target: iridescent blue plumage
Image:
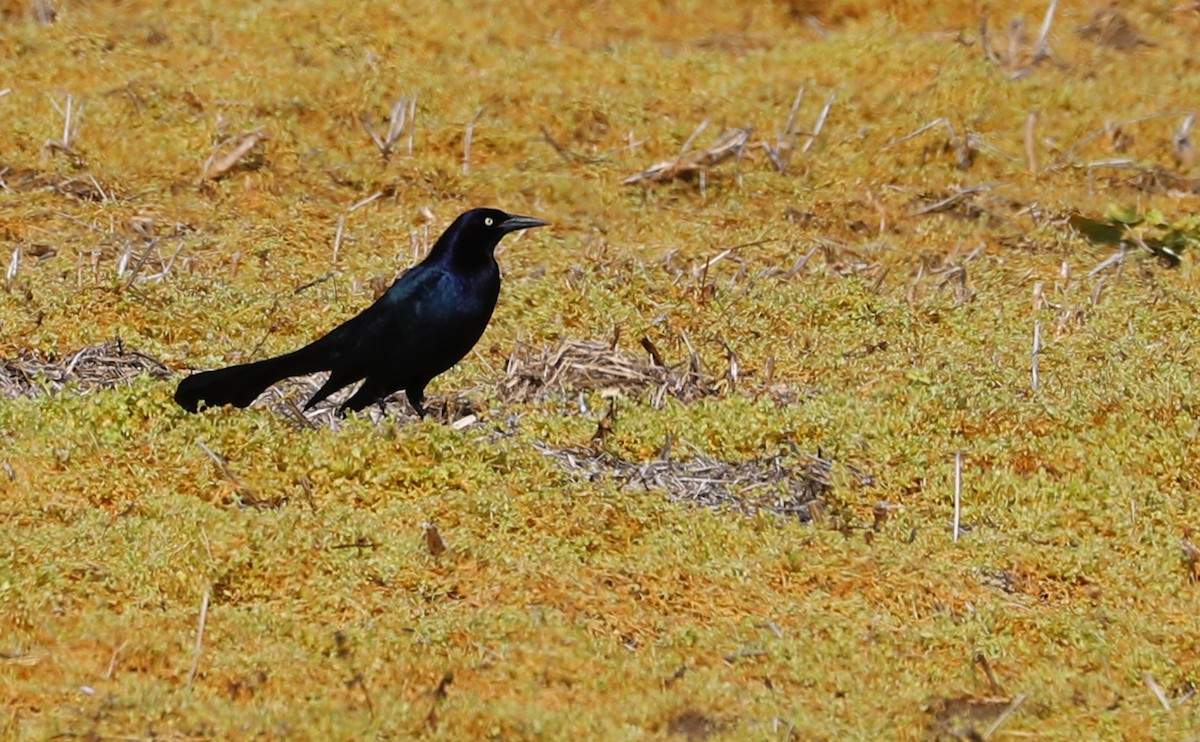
[(422, 325)]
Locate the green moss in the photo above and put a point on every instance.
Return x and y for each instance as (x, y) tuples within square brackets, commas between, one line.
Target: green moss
[(566, 607)]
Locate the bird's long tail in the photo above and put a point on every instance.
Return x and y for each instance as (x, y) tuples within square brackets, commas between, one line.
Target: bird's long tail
[(241, 385)]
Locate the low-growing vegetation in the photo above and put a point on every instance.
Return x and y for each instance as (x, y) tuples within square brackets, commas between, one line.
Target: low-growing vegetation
[(850, 394)]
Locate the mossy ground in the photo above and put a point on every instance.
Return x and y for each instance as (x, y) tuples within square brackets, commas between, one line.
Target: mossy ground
[(574, 609)]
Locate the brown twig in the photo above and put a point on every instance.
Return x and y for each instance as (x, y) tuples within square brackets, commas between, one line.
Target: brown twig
[(433, 539), (438, 694)]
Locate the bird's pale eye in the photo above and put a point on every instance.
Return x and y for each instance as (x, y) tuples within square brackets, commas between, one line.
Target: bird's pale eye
[(489, 221)]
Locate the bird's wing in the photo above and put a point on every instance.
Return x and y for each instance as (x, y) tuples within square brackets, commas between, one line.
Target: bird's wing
[(393, 316)]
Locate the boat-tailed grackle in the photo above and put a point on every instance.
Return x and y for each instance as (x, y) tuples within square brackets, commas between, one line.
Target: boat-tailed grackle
[(424, 324)]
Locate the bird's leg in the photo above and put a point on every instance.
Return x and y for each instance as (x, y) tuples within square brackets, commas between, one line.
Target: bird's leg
[(416, 398)]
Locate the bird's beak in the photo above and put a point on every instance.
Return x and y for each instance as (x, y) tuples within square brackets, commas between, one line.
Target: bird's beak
[(515, 223)]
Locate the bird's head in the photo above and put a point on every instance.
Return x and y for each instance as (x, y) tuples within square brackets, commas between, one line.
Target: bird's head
[(497, 222), (475, 234)]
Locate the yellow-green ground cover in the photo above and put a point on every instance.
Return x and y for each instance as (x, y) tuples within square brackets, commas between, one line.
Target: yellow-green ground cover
[(878, 306)]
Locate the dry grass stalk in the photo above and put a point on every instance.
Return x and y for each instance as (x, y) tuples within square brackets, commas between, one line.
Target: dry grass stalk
[(1035, 379), (1159, 694), (401, 120), (150, 245), (943, 121), (224, 467), (1184, 152), (767, 484), (952, 200), (82, 188), (14, 265), (1020, 60), (1031, 142), (368, 200), (1116, 259), (244, 497), (780, 154), (229, 152), (97, 367), (467, 138), (71, 114), (199, 638), (817, 127), (337, 238), (957, 494), (953, 273)]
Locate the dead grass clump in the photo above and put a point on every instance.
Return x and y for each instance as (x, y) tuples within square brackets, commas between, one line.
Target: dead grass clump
[(769, 483), (32, 374), (590, 365), (692, 163)]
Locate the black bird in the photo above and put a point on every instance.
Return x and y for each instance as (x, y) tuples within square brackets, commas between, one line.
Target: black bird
[(424, 324)]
